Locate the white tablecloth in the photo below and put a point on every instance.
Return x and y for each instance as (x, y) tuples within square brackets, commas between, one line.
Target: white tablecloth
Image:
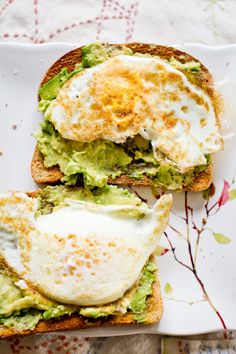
[(159, 21)]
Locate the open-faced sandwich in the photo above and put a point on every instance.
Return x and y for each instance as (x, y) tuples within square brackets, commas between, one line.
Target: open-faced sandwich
[(134, 114), (74, 258)]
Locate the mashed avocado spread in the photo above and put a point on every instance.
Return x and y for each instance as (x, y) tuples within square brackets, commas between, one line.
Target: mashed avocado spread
[(93, 163), (22, 307)]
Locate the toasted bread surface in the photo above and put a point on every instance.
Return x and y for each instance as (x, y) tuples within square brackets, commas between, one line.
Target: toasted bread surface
[(42, 174), (153, 314)]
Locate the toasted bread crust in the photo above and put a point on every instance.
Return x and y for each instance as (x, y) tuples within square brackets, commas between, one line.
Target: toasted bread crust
[(153, 313), (41, 174)]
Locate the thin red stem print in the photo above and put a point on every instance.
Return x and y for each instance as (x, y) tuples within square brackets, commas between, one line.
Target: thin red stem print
[(192, 226), (194, 271)]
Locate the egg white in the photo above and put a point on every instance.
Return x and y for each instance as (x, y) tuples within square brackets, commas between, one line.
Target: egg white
[(194, 133), (82, 253)]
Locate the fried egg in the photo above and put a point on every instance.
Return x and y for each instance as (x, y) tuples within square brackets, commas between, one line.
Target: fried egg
[(129, 95), (82, 253)]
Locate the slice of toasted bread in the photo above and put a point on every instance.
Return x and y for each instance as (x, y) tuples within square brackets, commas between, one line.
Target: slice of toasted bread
[(202, 181), (153, 314)]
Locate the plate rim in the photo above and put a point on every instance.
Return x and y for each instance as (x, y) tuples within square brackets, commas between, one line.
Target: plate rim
[(69, 45)]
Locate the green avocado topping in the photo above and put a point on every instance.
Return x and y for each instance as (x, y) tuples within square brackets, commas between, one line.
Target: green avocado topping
[(54, 197), (190, 66), (138, 302), (21, 322), (22, 307), (93, 54), (51, 88), (93, 163), (96, 53)]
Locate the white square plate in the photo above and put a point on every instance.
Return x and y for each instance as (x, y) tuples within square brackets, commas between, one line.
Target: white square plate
[(195, 301)]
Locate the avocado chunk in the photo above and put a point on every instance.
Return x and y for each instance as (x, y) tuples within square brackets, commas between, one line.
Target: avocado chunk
[(51, 88), (22, 321), (96, 53), (138, 302), (191, 66), (93, 54)]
